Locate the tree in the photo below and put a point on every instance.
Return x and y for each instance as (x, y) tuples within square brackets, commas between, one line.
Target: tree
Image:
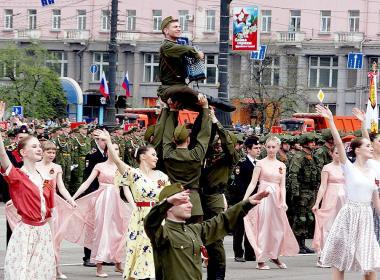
[(270, 99), (31, 83)]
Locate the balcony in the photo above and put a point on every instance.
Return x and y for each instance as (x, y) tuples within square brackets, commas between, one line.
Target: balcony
[(125, 36), (348, 39), (290, 38), (30, 34), (76, 35)]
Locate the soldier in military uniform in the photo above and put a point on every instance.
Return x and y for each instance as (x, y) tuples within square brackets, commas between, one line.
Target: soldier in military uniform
[(183, 165), (173, 71), (178, 247), (81, 145), (220, 159), (283, 152), (63, 157), (323, 155), (302, 185)]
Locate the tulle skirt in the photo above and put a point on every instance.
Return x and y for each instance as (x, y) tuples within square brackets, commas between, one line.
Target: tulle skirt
[(351, 244)]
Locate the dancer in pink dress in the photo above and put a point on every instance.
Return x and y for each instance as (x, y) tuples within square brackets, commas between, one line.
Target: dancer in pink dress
[(331, 193), (267, 226), (111, 217)]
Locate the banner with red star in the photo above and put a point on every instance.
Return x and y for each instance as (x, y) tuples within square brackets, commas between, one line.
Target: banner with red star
[(246, 29)]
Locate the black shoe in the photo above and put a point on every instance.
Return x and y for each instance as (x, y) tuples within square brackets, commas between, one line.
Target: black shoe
[(108, 264), (87, 263), (239, 259), (302, 251), (308, 250), (221, 104)]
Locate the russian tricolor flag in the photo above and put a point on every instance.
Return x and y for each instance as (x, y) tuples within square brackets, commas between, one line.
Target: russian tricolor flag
[(125, 85), (104, 86)]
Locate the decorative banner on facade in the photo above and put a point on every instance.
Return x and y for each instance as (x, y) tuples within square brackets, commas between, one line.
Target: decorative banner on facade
[(372, 114), (46, 2), (246, 29)]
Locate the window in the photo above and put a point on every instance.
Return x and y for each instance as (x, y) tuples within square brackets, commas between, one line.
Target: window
[(331, 106), (268, 70), (210, 20), (184, 19), (58, 63), (325, 21), (323, 71), (266, 20), (157, 19), (32, 19), (102, 61), (56, 20), (8, 19), (353, 20), (81, 19), (151, 61), (131, 20), (105, 20), (295, 20), (211, 65)]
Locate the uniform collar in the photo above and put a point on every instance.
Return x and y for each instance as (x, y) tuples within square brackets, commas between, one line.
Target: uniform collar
[(175, 225)]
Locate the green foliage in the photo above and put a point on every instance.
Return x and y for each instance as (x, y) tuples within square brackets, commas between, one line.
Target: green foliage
[(31, 83)]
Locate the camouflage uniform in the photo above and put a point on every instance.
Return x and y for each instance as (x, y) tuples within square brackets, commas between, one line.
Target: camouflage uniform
[(81, 147), (63, 157), (323, 155), (302, 185)]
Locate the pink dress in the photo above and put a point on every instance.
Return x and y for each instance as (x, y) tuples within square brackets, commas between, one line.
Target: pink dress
[(111, 219), (333, 200), (266, 225)]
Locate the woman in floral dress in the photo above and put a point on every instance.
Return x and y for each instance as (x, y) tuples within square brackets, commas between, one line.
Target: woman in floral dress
[(145, 184)]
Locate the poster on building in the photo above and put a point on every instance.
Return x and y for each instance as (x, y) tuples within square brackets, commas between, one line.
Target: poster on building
[(246, 33)]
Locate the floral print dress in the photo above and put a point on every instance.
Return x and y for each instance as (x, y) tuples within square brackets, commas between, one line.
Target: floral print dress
[(139, 262)]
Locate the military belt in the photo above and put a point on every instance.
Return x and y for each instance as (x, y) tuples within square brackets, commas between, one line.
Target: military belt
[(145, 204)]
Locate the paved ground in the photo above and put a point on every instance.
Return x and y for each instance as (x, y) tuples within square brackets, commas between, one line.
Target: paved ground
[(300, 267)]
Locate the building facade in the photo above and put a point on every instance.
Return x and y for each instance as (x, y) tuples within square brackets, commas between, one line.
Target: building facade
[(308, 43)]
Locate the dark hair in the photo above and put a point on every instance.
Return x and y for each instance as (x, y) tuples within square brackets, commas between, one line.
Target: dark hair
[(355, 143), (373, 136), (22, 143), (142, 151)]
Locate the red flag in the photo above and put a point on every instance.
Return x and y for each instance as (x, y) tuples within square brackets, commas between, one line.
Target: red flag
[(104, 86), (125, 85)]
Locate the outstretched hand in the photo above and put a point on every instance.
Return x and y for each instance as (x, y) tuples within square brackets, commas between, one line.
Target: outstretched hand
[(256, 198), (324, 111), (102, 134), (359, 114), (179, 198)]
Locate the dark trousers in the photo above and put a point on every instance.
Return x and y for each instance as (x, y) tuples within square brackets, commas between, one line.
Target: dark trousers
[(238, 236), (87, 254), (9, 233)]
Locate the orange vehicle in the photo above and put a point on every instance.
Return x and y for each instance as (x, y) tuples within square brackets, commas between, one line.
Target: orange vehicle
[(304, 122), (145, 117)]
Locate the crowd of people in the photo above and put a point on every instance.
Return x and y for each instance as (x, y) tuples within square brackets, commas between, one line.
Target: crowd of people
[(110, 190)]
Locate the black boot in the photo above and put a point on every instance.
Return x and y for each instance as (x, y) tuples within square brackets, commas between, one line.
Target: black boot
[(220, 273), (301, 244), (220, 104), (307, 249)]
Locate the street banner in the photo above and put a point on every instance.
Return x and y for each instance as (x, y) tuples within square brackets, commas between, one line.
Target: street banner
[(372, 114), (246, 35)]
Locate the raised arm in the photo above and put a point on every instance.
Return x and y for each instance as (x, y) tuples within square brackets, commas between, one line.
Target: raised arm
[(326, 113), (4, 159), (253, 184), (360, 115), (87, 183), (121, 165)]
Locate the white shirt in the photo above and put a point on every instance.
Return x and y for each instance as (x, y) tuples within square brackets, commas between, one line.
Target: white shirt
[(251, 159)]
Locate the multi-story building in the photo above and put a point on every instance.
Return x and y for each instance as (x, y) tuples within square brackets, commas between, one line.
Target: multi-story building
[(308, 43)]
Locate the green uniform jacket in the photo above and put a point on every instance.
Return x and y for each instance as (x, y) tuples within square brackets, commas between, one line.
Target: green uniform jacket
[(215, 176), (172, 66), (177, 246), (322, 157), (302, 174), (184, 165)]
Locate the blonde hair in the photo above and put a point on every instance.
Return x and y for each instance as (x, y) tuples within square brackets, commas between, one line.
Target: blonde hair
[(274, 139), (49, 146)]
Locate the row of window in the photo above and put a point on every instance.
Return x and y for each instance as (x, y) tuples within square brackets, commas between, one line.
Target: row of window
[(184, 18), (325, 20), (150, 75)]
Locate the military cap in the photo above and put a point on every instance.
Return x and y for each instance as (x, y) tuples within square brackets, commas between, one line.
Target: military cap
[(170, 190), (358, 133), (326, 134), (285, 138), (181, 133), (82, 126), (252, 140), (306, 138), (166, 22), (149, 132), (22, 129)]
